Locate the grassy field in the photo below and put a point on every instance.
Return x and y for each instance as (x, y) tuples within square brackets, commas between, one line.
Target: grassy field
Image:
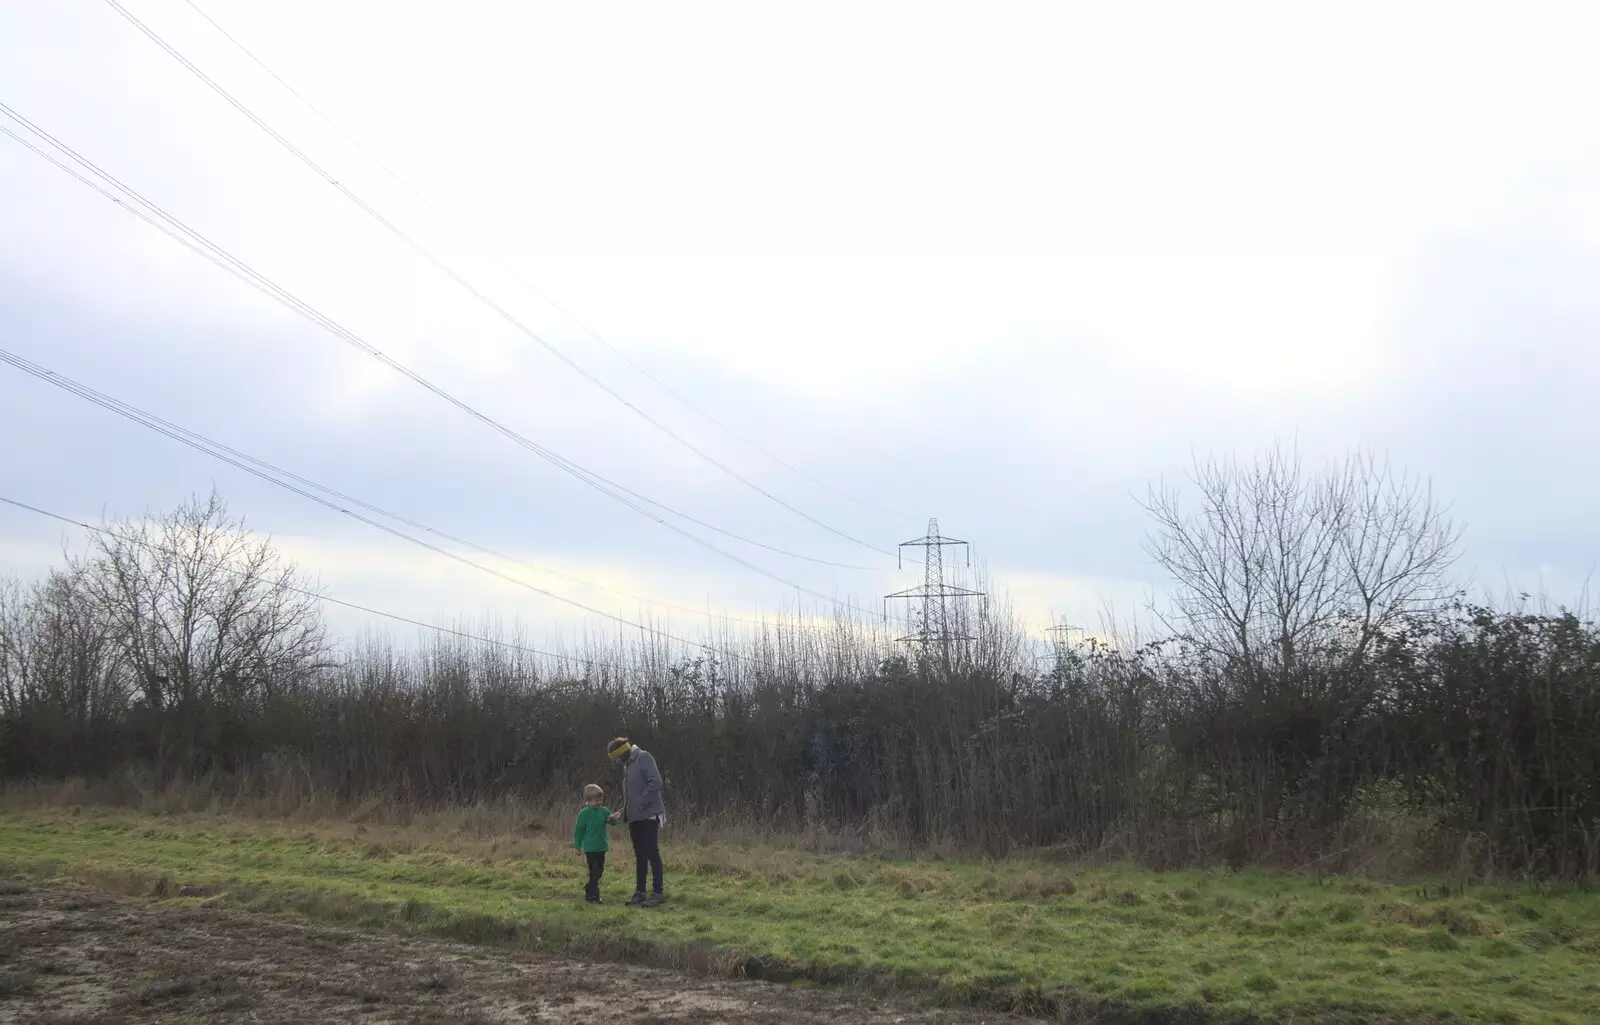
[(1134, 945)]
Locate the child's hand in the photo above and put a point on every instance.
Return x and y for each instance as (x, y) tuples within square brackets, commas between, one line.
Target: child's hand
[(615, 816)]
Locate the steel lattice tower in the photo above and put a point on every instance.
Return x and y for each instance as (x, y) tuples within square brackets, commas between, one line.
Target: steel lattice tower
[(1060, 641), (934, 630)]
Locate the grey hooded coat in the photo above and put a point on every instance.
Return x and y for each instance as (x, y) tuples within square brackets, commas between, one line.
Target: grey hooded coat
[(641, 787)]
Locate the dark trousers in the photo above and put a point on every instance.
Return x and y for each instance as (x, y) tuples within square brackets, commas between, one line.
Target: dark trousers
[(597, 868), (646, 836)]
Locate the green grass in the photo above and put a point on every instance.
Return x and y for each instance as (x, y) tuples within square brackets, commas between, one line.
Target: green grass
[(1133, 945)]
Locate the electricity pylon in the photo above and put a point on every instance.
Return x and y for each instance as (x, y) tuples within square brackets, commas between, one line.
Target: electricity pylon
[(934, 633), (1060, 641)]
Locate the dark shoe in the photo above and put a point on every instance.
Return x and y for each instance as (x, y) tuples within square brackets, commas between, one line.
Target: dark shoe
[(637, 899), (655, 900), (594, 900)]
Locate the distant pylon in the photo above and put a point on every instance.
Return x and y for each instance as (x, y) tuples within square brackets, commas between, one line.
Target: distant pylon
[(934, 634), (1060, 641)]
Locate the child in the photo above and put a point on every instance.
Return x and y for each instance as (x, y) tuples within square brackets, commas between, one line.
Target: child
[(589, 838)]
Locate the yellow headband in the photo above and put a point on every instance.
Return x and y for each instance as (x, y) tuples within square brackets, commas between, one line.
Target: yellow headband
[(620, 750)]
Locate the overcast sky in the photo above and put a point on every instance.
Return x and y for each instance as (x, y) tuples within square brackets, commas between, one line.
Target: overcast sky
[(1001, 264)]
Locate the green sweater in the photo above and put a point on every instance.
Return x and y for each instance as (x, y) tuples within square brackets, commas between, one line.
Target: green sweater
[(589, 835)]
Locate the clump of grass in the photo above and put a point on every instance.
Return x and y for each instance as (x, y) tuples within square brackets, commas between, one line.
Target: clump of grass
[(439, 978), (1025, 885), (181, 987), (368, 995), (218, 991), (17, 983), (473, 927)]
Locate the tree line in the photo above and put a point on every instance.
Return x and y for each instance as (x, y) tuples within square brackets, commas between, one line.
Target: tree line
[(1322, 697)]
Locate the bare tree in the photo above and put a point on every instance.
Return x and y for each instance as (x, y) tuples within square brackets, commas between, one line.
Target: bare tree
[(202, 609), (14, 655), (1277, 563), (59, 649)]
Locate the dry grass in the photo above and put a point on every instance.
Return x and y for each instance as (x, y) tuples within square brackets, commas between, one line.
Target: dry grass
[(1383, 840), (396, 823)]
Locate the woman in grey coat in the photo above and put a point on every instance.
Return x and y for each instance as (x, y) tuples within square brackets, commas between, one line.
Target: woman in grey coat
[(644, 811)]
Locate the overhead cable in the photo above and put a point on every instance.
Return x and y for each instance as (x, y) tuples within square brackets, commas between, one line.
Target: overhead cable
[(198, 243), (202, 245), (13, 360), (319, 596), (521, 278), (472, 290), (207, 445)]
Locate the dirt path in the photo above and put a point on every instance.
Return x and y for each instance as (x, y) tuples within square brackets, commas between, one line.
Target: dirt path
[(70, 955)]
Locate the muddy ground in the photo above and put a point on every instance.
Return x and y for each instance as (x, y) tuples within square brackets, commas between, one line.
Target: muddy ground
[(71, 955)]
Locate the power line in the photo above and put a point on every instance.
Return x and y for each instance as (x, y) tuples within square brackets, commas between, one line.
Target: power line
[(323, 597), (20, 363), (206, 445), (202, 245), (522, 279), (222, 258), (449, 272)]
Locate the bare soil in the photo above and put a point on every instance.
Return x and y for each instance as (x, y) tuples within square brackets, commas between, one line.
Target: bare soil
[(74, 955)]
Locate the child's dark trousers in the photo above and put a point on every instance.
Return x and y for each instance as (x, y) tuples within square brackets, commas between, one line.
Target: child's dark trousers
[(597, 868)]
